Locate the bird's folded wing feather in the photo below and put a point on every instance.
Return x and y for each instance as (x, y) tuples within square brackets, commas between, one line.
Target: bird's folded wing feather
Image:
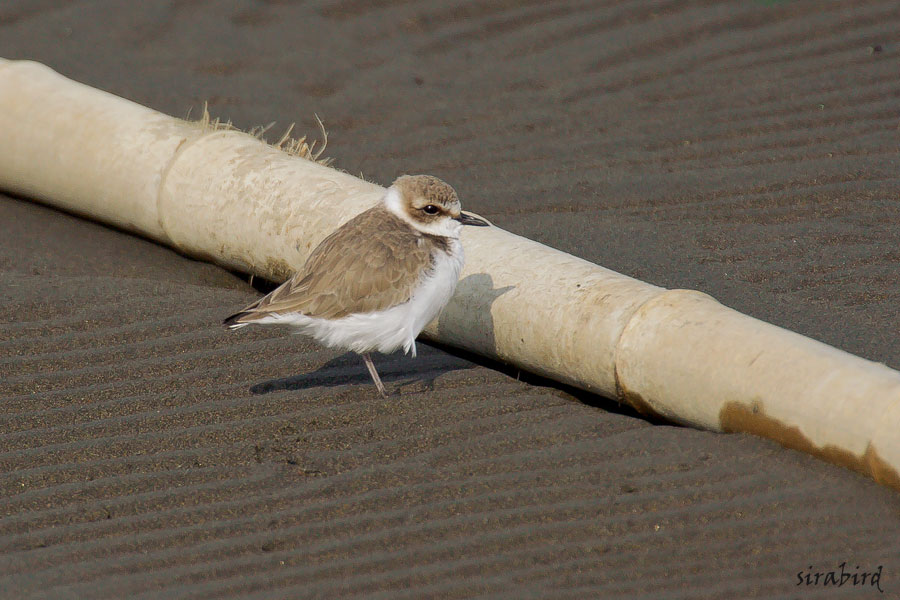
[(365, 266)]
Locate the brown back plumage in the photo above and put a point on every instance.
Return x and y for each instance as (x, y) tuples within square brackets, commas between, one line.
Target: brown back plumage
[(371, 263)]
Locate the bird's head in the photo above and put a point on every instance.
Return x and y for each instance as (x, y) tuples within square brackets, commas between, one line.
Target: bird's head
[(428, 204)]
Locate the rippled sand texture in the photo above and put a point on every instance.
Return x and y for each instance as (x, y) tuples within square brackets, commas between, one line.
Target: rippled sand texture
[(747, 149)]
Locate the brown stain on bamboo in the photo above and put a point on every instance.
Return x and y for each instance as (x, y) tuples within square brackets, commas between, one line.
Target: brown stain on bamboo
[(636, 401), (737, 417)]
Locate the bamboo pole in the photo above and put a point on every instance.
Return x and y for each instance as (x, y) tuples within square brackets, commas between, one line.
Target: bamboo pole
[(225, 196)]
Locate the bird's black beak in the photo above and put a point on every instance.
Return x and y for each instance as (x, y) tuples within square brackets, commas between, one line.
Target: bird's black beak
[(467, 219)]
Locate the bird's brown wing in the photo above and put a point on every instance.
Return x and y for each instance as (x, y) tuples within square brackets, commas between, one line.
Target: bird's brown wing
[(371, 263)]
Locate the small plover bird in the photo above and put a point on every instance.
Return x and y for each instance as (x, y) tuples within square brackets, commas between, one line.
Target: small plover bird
[(375, 282)]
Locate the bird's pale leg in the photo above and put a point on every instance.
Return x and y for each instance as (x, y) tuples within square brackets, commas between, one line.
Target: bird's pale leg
[(371, 366)]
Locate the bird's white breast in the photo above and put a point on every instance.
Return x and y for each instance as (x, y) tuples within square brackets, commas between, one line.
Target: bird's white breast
[(435, 291)]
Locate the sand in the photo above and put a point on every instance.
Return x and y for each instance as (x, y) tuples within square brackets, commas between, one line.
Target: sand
[(746, 149)]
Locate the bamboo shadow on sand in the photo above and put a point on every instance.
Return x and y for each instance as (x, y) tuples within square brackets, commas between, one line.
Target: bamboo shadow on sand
[(435, 359)]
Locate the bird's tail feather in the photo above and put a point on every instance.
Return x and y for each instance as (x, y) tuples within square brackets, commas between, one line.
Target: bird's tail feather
[(234, 321)]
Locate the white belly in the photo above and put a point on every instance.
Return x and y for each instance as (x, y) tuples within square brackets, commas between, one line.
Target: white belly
[(390, 329)]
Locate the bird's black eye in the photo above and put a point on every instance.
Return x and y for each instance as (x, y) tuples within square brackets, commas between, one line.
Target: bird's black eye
[(431, 209)]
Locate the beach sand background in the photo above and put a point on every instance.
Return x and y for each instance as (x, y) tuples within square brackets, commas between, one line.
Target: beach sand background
[(748, 149)]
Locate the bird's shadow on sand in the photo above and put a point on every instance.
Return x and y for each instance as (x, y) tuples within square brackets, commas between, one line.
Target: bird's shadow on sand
[(349, 369)]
